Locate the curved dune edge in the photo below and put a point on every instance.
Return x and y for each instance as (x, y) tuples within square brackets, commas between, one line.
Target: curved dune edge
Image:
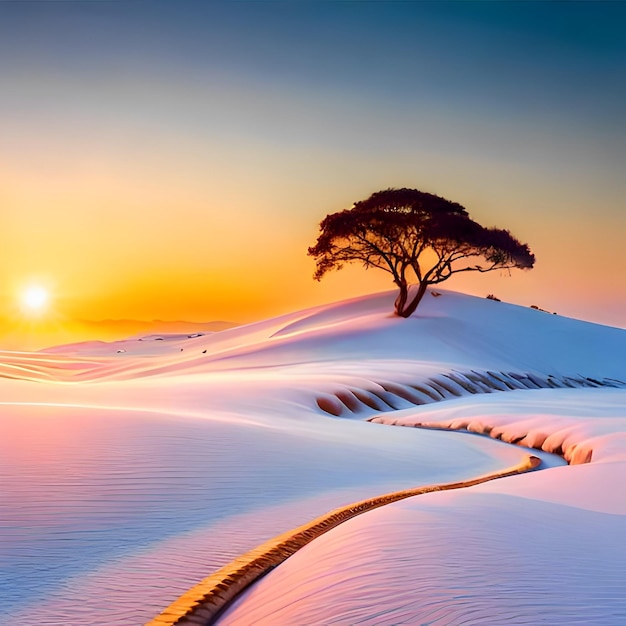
[(560, 443), (385, 396), (203, 603)]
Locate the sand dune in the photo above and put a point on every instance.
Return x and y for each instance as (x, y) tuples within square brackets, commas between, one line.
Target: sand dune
[(135, 469)]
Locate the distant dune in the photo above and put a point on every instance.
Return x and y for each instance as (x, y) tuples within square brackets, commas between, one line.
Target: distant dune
[(126, 328), (88, 333), (42, 334)]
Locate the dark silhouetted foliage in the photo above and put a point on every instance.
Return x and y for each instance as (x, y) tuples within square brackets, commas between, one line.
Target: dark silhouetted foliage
[(418, 237)]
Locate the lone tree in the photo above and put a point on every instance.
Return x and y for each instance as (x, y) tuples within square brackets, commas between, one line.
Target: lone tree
[(418, 238)]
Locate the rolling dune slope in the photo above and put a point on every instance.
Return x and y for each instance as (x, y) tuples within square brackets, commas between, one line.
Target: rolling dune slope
[(133, 469)]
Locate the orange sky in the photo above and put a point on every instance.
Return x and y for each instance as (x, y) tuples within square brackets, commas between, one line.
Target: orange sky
[(160, 182)]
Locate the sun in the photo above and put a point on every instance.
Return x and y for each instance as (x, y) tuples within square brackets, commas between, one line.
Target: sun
[(34, 299)]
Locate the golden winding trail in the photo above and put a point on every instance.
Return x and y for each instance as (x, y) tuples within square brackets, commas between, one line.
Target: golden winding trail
[(201, 605)]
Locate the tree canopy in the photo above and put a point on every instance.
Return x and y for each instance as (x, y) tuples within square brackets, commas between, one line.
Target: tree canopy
[(417, 237)]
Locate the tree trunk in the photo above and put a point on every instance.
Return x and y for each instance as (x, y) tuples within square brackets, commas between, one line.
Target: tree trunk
[(400, 302), (408, 309)]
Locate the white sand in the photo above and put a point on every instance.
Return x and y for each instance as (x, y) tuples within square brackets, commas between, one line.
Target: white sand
[(129, 476)]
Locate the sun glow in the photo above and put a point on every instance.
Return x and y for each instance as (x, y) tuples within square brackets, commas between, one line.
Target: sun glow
[(34, 299)]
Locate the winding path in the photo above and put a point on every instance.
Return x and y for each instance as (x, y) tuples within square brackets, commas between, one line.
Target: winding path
[(203, 604)]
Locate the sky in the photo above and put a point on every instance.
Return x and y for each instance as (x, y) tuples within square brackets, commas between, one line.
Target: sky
[(172, 160)]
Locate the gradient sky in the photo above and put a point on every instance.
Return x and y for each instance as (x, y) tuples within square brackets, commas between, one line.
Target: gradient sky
[(172, 160)]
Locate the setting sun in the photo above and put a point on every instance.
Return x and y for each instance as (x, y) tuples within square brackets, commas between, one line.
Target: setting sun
[(34, 299)]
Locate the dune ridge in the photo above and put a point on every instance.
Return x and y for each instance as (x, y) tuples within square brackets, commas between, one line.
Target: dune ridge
[(393, 396)]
